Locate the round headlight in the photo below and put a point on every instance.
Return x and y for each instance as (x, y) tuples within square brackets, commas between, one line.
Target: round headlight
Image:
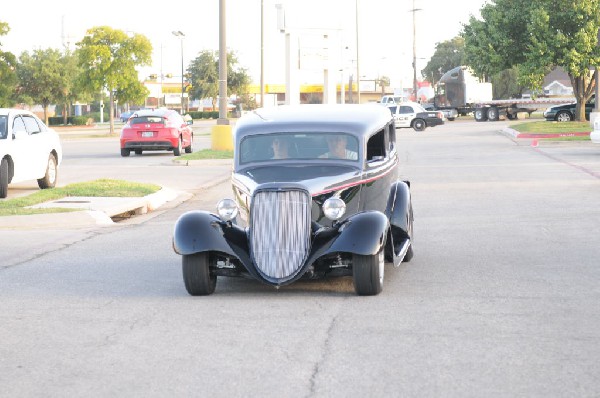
[(334, 208), (227, 209)]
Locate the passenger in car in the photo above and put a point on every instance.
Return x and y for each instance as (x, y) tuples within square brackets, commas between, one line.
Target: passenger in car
[(337, 149), (280, 148)]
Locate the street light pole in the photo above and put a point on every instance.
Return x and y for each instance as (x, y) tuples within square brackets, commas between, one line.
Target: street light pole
[(181, 35), (222, 66), (414, 63)]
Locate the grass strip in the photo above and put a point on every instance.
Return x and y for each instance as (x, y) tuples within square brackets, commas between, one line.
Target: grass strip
[(545, 127), (207, 154), (97, 188)]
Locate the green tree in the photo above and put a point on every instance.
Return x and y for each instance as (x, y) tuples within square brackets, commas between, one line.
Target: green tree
[(533, 37), (383, 81), (71, 90), (41, 78), (8, 75), (108, 58), (204, 76), (448, 55), (505, 84)]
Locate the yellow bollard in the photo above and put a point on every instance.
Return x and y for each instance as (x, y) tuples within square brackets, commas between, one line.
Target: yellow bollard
[(221, 138)]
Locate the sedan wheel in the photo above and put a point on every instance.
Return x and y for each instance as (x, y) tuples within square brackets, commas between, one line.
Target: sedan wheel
[(177, 150), (3, 178), (419, 125), (368, 273), (563, 116), (124, 152), (49, 179), (197, 276)]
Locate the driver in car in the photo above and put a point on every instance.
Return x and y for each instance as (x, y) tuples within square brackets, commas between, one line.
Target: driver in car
[(337, 149)]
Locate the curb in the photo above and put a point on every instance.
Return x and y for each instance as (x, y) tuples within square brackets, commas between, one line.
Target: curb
[(93, 210), (538, 138)]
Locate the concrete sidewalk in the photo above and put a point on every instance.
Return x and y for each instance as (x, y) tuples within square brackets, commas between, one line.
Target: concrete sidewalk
[(95, 211)]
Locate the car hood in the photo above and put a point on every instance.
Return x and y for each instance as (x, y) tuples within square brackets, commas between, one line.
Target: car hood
[(318, 179), (563, 106)]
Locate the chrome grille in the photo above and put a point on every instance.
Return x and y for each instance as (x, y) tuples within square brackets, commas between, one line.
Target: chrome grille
[(280, 231)]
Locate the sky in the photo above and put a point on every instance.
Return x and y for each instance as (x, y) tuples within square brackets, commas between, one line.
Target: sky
[(385, 32)]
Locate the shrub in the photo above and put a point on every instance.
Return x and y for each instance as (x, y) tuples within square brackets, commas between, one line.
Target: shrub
[(205, 115)]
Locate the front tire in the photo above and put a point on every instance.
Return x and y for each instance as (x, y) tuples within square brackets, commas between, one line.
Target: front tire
[(197, 276), (419, 124), (51, 175), (563, 116), (3, 178), (367, 273), (125, 152), (480, 115)]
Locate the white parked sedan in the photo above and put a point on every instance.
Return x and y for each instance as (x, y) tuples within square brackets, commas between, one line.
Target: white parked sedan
[(29, 150)]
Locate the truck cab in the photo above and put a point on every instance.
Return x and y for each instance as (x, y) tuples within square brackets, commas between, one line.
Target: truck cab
[(390, 99)]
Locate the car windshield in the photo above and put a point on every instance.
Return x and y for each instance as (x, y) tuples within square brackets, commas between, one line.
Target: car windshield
[(304, 146), (3, 125), (147, 120)]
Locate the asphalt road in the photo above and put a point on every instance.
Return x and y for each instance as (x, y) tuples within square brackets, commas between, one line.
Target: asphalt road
[(500, 299)]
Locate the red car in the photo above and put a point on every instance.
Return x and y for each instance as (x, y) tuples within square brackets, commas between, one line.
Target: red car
[(156, 130)]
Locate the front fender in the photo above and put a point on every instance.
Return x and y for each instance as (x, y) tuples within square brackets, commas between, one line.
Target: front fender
[(399, 212), (399, 206), (362, 233), (200, 231)]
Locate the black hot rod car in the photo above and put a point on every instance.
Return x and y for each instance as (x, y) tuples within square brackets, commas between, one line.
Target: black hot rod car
[(316, 193)]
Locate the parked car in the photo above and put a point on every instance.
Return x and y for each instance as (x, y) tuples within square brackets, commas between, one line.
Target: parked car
[(156, 130), (29, 150), (566, 112), (412, 114), (317, 193), (125, 116)]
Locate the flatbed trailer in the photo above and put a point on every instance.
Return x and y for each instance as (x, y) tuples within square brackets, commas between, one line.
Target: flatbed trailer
[(510, 108), (459, 92)]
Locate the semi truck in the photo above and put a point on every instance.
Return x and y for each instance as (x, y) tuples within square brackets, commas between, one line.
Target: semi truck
[(460, 92)]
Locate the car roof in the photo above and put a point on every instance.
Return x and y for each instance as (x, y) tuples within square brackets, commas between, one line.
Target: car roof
[(6, 111), (357, 119)]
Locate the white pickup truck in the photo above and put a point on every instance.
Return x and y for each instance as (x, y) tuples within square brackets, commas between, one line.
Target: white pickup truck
[(391, 99)]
